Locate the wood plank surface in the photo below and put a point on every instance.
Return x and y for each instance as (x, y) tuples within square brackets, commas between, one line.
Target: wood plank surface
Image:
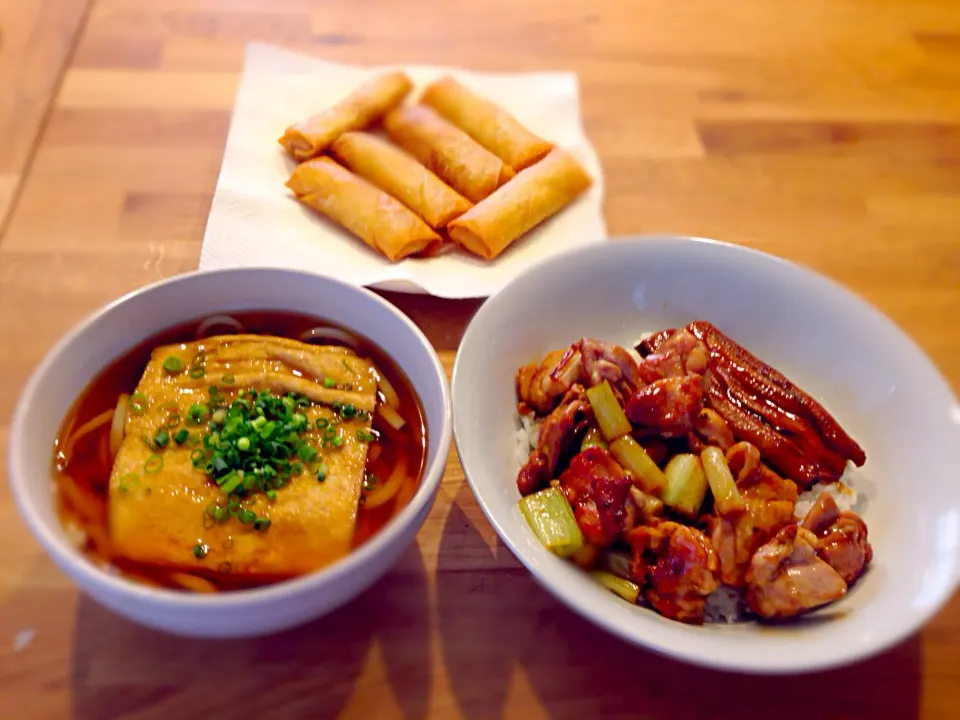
[(826, 132), (36, 40)]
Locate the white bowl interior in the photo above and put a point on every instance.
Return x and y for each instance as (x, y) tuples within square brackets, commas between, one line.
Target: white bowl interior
[(74, 362), (865, 371)]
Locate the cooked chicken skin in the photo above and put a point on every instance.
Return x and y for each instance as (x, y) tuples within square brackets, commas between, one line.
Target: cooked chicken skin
[(561, 427), (841, 537), (588, 362), (669, 406), (679, 567), (786, 576), (597, 487)]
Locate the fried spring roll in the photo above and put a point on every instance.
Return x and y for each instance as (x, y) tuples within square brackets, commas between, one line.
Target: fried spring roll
[(365, 105), (491, 126), (373, 216), (537, 193), (400, 175), (447, 151)]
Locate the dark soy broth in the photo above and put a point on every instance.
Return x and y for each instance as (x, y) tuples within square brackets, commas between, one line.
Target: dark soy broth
[(83, 463)]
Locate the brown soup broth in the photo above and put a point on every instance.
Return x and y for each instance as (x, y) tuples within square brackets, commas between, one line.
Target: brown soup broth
[(83, 502)]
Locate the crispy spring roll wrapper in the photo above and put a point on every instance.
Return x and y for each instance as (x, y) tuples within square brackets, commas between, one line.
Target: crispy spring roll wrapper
[(447, 151), (369, 213), (534, 195), (365, 105), (400, 175), (487, 123)]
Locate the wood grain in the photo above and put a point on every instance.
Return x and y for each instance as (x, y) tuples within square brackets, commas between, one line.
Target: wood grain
[(36, 39), (826, 132)]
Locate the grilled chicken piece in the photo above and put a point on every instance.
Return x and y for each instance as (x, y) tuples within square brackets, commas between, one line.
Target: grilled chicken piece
[(786, 577), (680, 353), (754, 479), (588, 362), (560, 429), (678, 566), (597, 487), (841, 537), (714, 429), (737, 538), (669, 406)]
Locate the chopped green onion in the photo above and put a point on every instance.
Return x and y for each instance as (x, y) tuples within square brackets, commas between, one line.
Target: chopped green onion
[(197, 372), (349, 411), (138, 402), (198, 456), (271, 494), (153, 464), (161, 439), (173, 420), (329, 383), (243, 443), (322, 472), (220, 416), (232, 483), (172, 364), (337, 407), (364, 436), (246, 516), (337, 441), (149, 443), (551, 518), (181, 437), (307, 453), (197, 413), (199, 551), (261, 523), (220, 514), (128, 482)]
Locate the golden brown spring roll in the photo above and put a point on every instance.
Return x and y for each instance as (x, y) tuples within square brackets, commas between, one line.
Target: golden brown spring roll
[(369, 213), (534, 195), (487, 123), (447, 151), (400, 175), (366, 104)]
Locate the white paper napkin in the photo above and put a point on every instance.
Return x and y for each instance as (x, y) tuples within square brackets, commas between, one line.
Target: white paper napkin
[(255, 221)]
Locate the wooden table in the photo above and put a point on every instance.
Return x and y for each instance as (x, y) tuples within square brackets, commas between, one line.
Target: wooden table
[(827, 132)]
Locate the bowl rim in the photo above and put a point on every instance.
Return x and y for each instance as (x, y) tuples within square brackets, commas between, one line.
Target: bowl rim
[(759, 664), (90, 574)]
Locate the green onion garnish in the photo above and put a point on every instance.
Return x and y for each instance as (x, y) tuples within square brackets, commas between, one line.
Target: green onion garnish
[(322, 472), (197, 413), (172, 364), (220, 416), (337, 441), (197, 372), (243, 443), (261, 523), (181, 436), (199, 551), (128, 482), (364, 436), (153, 464), (173, 420), (348, 411), (161, 439), (246, 516), (138, 402), (322, 423), (271, 494), (329, 383)]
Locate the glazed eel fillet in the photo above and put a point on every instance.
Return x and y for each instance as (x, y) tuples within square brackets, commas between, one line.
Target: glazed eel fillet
[(793, 432)]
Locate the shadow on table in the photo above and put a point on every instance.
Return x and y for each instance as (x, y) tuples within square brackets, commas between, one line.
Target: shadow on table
[(442, 321), (121, 669), (501, 631)]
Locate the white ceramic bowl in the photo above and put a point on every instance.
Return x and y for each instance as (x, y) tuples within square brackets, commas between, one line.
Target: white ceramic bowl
[(866, 372), (77, 358)]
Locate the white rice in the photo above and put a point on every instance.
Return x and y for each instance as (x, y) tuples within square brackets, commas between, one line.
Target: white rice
[(725, 605), (845, 496), (526, 436)]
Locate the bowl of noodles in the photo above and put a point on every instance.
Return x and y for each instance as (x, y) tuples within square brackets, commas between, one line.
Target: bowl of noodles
[(233, 452)]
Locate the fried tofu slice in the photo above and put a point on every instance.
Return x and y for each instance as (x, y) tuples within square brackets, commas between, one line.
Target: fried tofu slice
[(158, 509)]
